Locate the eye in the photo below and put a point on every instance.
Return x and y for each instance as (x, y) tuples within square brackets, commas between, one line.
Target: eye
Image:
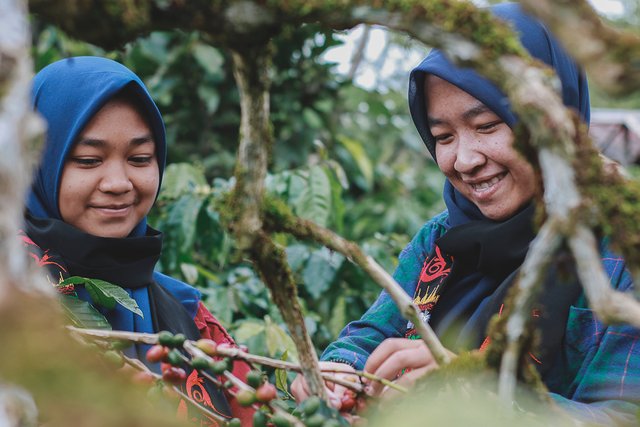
[(86, 161), (140, 160), (489, 127), (444, 138)]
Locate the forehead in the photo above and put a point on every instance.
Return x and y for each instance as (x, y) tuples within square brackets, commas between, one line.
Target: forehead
[(444, 99)]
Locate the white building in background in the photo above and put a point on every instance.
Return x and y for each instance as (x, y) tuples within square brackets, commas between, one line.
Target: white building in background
[(617, 134)]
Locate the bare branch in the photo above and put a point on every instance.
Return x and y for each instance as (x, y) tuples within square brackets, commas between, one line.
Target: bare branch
[(611, 306), (19, 127)]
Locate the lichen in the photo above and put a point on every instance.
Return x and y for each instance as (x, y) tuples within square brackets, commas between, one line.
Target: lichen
[(611, 202)]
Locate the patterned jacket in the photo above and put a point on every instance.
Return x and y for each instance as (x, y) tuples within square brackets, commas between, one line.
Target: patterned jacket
[(599, 378)]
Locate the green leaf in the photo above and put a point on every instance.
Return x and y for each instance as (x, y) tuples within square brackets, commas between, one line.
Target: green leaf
[(182, 221), (181, 178), (314, 201), (278, 340), (338, 316), (108, 295), (210, 97), (359, 155), (82, 314), (208, 57), (281, 376), (248, 329), (320, 271)]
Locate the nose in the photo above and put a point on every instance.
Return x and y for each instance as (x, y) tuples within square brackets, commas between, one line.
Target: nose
[(116, 179), (469, 155)]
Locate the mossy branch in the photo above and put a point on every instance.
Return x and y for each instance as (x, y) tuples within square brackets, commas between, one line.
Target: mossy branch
[(251, 70), (526, 290), (607, 54), (278, 217)]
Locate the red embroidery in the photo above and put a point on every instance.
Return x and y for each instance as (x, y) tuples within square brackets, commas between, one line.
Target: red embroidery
[(434, 267), (45, 259), (487, 341), (196, 391)]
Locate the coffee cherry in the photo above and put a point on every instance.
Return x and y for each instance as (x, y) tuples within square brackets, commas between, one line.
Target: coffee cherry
[(178, 340), (209, 347), (266, 393), (254, 378), (234, 422), (165, 338), (280, 420), (200, 363), (311, 405), (174, 375), (120, 344), (219, 367), (260, 419), (174, 357), (245, 397), (347, 403), (316, 420), (114, 358), (157, 353)]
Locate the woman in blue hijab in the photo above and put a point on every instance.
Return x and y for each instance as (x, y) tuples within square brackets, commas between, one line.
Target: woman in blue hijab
[(461, 264), (99, 176)]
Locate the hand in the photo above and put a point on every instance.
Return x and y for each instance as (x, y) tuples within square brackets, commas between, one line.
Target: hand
[(392, 357), (300, 390)]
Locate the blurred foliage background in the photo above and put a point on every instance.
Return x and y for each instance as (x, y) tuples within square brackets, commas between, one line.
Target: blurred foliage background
[(345, 156)]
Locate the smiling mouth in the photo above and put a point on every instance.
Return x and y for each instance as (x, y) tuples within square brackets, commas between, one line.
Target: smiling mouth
[(113, 209), (486, 185)]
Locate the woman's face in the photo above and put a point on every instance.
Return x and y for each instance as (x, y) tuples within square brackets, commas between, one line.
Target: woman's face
[(111, 176), (474, 149)]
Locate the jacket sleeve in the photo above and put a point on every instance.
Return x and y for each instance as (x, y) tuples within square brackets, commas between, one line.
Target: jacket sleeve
[(210, 328), (602, 361), (383, 320)]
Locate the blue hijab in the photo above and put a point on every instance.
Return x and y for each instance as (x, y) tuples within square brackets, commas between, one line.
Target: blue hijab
[(67, 94), (540, 44), (472, 290)]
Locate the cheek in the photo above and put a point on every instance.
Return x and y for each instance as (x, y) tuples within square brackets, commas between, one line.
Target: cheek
[(446, 159)]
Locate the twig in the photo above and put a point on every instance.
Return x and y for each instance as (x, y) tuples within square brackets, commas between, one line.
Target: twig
[(610, 305), (139, 337)]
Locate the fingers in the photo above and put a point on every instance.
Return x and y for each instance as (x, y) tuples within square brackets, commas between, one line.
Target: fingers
[(396, 355), (299, 389), (406, 380), (387, 349)]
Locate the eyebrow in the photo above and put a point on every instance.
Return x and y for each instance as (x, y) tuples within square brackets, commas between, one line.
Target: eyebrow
[(93, 142), (472, 112)]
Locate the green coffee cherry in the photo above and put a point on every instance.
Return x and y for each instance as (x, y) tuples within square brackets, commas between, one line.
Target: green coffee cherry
[(174, 357), (260, 419), (311, 405), (254, 378), (200, 363), (280, 420), (178, 340), (316, 420), (165, 338)]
